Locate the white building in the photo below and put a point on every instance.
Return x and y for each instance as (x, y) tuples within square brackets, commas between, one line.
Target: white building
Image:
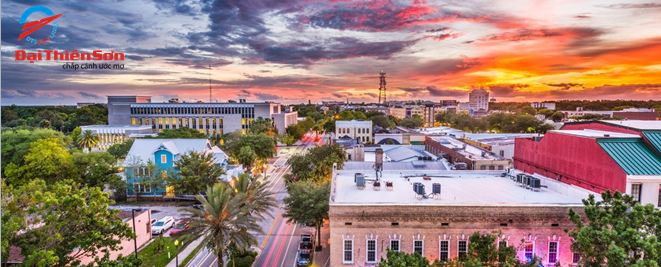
[(479, 100), (110, 135), (546, 105), (357, 130)]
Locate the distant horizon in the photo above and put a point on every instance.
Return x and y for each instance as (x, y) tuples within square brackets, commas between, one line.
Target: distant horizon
[(292, 51)]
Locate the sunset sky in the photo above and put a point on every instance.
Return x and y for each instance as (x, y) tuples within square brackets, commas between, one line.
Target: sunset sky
[(291, 51)]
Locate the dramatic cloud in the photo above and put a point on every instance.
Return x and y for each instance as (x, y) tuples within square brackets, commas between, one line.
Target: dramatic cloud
[(293, 50)]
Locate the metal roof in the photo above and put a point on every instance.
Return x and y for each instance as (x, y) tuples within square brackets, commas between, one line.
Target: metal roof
[(633, 156), (654, 137)]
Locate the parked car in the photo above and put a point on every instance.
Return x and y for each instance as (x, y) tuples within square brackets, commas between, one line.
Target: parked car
[(180, 226), (304, 255), (304, 258), (162, 225)]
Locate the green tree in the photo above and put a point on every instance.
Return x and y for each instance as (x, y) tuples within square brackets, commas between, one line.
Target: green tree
[(263, 145), (196, 171), (557, 116), (16, 143), (414, 121), (95, 169), (181, 133), (246, 157), (263, 126), (403, 259), (87, 140), (287, 139), (258, 199), (296, 131), (316, 164), (47, 159), (224, 220), (307, 203), (120, 150), (383, 121), (74, 221), (617, 231)]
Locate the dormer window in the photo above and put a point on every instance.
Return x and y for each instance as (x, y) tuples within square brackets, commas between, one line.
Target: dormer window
[(164, 159)]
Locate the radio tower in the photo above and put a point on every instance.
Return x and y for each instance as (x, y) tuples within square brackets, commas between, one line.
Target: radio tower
[(382, 87)]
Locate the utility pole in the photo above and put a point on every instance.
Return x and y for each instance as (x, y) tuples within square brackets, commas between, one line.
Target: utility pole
[(135, 242)]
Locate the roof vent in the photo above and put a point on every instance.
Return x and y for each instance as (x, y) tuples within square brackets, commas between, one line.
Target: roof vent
[(607, 135), (389, 185)]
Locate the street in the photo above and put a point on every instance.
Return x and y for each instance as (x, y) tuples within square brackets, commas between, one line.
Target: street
[(279, 242)]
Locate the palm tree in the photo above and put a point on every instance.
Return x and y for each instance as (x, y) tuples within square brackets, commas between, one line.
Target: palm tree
[(223, 220), (256, 193), (88, 140)]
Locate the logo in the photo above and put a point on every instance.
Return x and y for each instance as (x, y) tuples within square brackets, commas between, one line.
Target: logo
[(31, 27)]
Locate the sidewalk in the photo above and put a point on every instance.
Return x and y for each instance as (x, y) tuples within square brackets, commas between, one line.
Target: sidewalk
[(184, 253), (322, 258)]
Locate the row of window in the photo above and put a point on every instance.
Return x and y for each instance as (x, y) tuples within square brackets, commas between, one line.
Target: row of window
[(211, 123), (371, 255), (348, 130), (492, 167), (246, 112)]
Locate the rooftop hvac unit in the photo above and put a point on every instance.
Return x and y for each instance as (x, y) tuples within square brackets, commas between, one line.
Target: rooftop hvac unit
[(526, 180), (534, 183), (419, 188), (436, 188), (359, 178), (519, 178)]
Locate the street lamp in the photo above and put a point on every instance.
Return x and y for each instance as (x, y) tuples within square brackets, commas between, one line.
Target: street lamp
[(176, 253)]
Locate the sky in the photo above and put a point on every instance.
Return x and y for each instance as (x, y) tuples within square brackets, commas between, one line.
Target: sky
[(292, 51)]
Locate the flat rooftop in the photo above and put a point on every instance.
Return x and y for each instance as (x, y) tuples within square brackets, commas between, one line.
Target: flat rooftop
[(637, 124), (458, 188), (595, 133), (469, 151)]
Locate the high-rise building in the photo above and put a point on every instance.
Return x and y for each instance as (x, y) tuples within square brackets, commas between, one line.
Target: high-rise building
[(479, 100)]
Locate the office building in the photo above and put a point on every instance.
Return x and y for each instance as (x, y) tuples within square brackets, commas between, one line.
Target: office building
[(109, 135), (478, 100), (208, 118)]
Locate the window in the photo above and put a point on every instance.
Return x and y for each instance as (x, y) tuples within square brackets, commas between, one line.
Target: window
[(445, 250), (141, 188), (394, 245), (371, 251), (659, 202), (553, 252), (502, 244), (529, 248), (164, 159), (462, 248), (418, 246), (348, 252), (636, 189), (575, 258)]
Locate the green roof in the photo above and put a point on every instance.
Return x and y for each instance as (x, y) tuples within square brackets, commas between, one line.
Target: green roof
[(654, 137), (633, 156)]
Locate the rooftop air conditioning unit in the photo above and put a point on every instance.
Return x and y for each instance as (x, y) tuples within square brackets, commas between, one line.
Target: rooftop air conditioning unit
[(419, 188), (534, 183), (359, 178), (436, 188), (389, 185)]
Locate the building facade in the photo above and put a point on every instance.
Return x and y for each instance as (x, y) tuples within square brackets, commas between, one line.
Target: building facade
[(208, 118), (151, 160), (479, 100), (624, 159), (357, 130), (464, 155), (110, 135), (546, 105), (366, 220)]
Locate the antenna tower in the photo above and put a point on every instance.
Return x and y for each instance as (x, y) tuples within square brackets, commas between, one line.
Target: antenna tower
[(382, 87)]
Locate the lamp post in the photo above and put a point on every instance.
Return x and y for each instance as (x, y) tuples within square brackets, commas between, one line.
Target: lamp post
[(135, 234), (176, 253)]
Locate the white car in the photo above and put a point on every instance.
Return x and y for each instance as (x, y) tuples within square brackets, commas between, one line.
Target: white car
[(162, 225)]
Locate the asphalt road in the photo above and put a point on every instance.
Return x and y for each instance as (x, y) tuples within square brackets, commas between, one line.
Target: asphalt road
[(278, 245)]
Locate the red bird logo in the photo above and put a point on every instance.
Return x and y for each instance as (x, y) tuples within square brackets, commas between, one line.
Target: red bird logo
[(33, 26)]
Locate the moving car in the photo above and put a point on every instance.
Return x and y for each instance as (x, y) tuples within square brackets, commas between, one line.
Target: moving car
[(162, 225), (180, 226)]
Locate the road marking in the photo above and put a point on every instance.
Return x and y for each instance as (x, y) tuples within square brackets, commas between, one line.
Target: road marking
[(268, 235), (280, 248), (274, 242), (288, 245)]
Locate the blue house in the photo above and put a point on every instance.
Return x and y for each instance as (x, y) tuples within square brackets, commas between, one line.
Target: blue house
[(150, 159)]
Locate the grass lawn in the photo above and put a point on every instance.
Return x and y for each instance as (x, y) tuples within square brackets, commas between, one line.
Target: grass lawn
[(156, 253)]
